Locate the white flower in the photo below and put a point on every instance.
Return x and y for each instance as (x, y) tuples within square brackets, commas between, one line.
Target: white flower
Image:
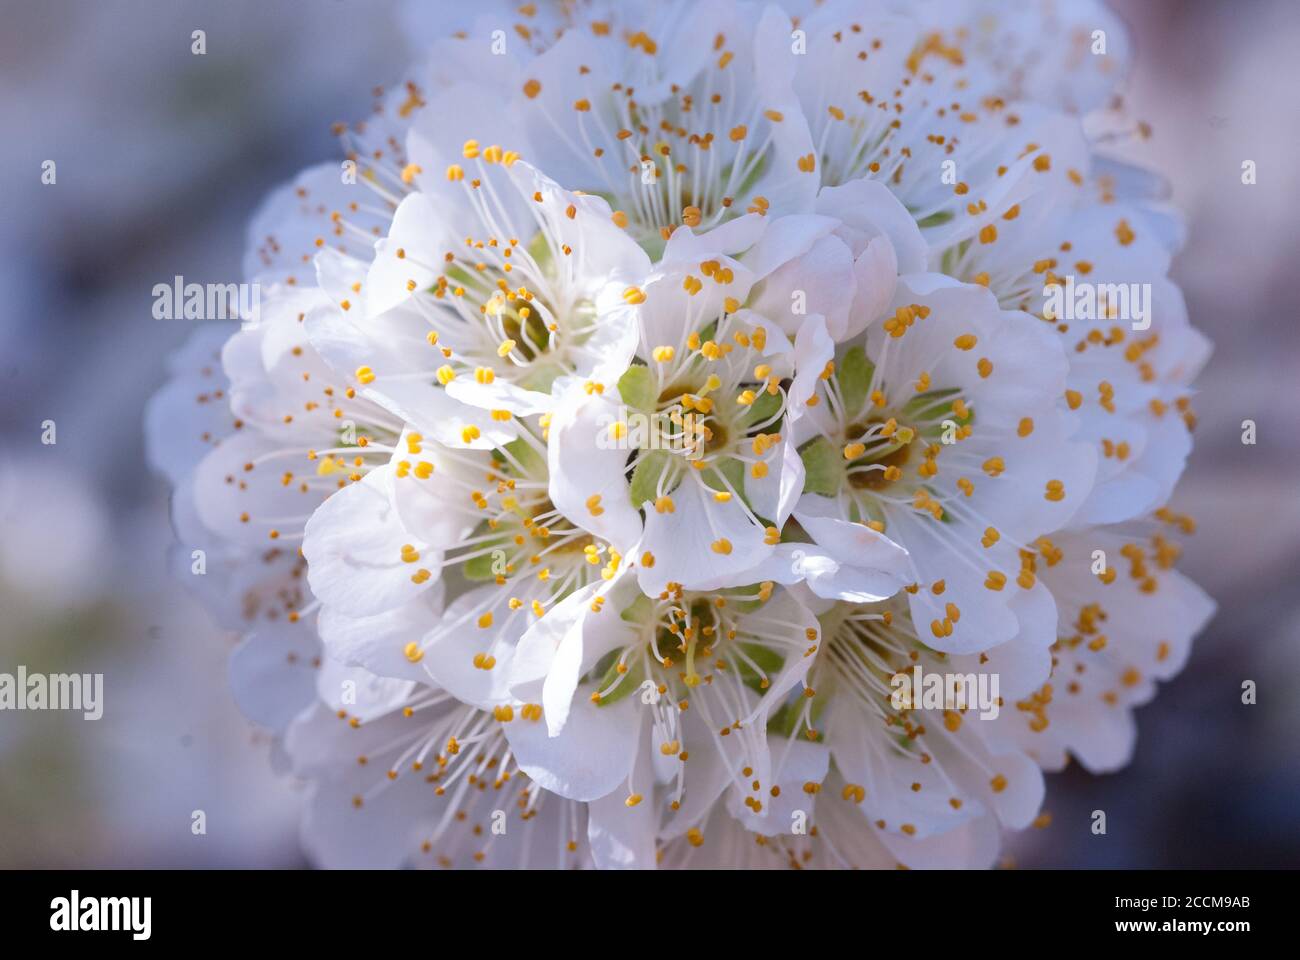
[(914, 769), (1068, 55), (1097, 276), (403, 774), (271, 421), (711, 469), (824, 828), (188, 415), (489, 285), (681, 113), (343, 207), (702, 397), (300, 436), (650, 402), (255, 431), (378, 550), (660, 700), (1061, 223), (837, 841), (249, 494), (1127, 619), (948, 434)]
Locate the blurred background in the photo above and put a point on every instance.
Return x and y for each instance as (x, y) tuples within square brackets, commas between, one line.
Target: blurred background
[(162, 158)]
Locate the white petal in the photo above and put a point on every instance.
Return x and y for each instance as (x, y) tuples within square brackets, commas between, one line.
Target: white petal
[(353, 549), (590, 757), (623, 837), (583, 465), (272, 673)]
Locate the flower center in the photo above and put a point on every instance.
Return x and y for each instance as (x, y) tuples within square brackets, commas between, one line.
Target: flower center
[(871, 470)]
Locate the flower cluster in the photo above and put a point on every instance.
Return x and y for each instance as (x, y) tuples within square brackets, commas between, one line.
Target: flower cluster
[(652, 391)]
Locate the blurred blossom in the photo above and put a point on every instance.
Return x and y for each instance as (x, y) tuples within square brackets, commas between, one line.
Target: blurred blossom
[(54, 545), (161, 156)]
